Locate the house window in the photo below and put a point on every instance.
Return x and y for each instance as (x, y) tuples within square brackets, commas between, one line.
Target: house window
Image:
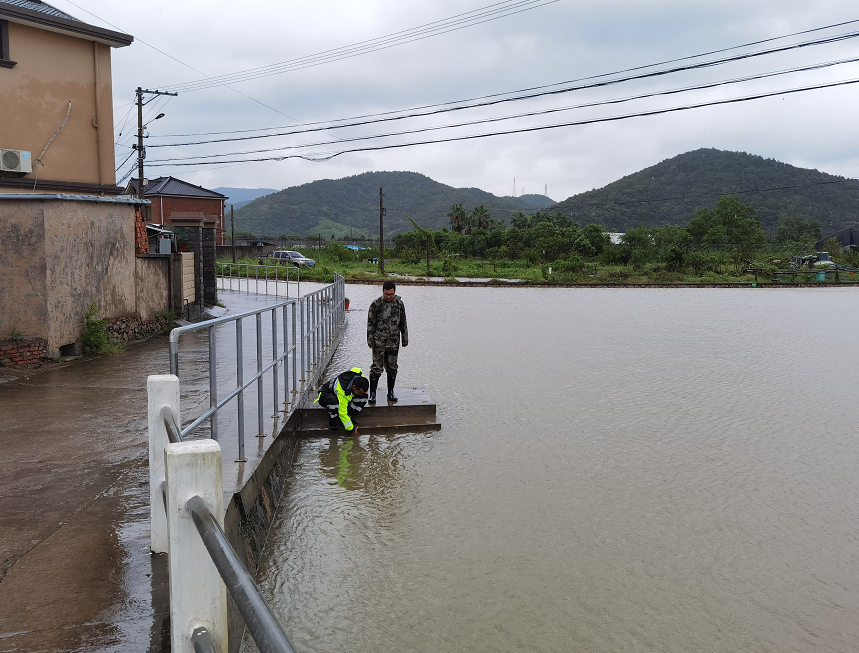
[(4, 45)]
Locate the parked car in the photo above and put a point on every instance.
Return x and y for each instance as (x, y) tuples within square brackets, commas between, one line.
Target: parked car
[(288, 257)]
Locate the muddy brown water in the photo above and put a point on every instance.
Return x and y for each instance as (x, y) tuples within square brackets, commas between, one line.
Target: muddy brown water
[(618, 470)]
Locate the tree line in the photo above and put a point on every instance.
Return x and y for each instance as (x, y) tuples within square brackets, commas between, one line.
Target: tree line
[(731, 231)]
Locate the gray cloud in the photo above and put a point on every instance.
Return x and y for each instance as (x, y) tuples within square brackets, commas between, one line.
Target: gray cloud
[(562, 41)]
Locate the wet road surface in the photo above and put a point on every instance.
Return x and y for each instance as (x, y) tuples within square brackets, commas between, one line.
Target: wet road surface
[(75, 569)]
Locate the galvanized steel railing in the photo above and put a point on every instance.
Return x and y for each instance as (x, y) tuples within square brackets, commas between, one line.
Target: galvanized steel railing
[(256, 278), (299, 340), (198, 605), (186, 475)]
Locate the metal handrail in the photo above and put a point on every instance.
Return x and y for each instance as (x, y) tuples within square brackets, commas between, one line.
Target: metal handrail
[(309, 326), (174, 433), (261, 624), (260, 273)]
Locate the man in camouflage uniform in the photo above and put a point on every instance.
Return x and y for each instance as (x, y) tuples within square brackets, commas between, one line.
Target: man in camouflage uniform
[(386, 320)]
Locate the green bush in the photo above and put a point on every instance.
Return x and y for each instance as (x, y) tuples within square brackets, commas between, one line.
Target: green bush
[(337, 252), (96, 339)]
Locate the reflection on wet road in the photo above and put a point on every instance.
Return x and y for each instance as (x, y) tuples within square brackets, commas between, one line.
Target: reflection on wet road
[(618, 470)]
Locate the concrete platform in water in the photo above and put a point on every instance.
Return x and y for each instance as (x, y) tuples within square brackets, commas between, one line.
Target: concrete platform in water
[(414, 411)]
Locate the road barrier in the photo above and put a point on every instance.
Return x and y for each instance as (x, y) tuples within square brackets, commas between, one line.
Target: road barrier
[(307, 328), (233, 276), (186, 475)]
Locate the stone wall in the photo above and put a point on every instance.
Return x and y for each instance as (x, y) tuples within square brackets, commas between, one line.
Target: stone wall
[(132, 327)]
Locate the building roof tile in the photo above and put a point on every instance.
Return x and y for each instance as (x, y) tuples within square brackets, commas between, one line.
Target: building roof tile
[(173, 186), (41, 7)]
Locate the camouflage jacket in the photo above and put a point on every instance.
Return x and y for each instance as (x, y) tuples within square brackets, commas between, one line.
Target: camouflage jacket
[(385, 322)]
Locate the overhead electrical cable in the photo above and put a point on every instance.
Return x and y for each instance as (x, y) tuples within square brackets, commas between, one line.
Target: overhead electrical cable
[(528, 96), (421, 32), (245, 95), (327, 157), (469, 123), (533, 88)]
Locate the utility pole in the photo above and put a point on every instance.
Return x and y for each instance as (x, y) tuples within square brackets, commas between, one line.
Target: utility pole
[(381, 233), (141, 151), (233, 232)]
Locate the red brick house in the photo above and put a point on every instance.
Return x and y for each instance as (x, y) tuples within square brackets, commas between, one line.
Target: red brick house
[(178, 203)]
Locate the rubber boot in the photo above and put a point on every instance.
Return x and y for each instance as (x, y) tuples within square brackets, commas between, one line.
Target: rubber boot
[(374, 383), (333, 423), (392, 378)]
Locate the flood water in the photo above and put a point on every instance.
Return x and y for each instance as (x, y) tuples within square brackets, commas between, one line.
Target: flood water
[(617, 470)]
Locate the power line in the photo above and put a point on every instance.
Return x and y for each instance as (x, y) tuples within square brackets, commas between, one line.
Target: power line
[(184, 64), (531, 113), (528, 96), (534, 88), (421, 32), (655, 112)]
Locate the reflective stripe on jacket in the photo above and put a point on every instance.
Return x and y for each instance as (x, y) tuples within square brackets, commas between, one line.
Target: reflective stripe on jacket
[(341, 387)]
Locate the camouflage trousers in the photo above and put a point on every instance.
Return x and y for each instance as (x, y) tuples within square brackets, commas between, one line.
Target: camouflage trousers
[(384, 359)]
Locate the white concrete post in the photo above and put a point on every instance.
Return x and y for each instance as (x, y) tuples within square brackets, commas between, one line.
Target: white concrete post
[(162, 390), (198, 596)]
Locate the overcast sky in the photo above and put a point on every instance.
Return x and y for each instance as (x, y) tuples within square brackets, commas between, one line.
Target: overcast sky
[(561, 41)]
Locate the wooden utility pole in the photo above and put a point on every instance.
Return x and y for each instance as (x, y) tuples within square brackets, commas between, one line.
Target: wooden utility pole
[(381, 233), (233, 232), (428, 255)]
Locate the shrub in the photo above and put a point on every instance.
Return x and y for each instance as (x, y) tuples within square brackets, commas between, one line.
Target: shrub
[(96, 339)]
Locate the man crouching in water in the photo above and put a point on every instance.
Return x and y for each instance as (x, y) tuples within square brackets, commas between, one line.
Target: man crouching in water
[(343, 397)]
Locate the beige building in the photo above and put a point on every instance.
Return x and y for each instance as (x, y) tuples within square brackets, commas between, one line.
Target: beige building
[(55, 82)]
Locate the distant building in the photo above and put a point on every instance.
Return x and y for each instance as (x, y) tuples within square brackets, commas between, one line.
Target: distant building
[(55, 81), (180, 204), (849, 239)]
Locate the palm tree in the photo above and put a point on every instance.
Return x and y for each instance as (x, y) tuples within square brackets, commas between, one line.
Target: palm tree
[(480, 217), (520, 220), (458, 217)]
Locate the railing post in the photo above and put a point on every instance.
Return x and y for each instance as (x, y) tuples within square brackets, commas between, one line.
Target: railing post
[(303, 338), (198, 596), (240, 379), (260, 427), (274, 388), (294, 348), (162, 390), (284, 317), (213, 384)]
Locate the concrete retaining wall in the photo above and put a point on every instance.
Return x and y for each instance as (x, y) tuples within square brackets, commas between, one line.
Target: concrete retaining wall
[(60, 254)]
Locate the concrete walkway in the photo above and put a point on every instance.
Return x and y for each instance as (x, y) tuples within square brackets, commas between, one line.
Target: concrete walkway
[(75, 568)]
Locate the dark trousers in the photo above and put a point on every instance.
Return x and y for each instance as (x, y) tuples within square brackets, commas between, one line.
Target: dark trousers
[(384, 359)]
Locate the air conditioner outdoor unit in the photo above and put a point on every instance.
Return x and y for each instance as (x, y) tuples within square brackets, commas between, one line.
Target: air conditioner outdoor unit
[(15, 161)]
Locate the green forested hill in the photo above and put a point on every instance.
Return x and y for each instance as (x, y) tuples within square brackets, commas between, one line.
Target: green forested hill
[(699, 177), (336, 206)]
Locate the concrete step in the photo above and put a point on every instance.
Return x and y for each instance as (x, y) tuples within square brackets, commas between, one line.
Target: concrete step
[(414, 411)]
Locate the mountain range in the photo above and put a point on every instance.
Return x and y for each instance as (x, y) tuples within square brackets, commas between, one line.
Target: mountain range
[(351, 205), (667, 193), (670, 191)]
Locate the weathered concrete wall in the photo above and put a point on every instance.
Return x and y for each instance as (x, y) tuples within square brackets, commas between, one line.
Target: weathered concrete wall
[(89, 253), (23, 293), (153, 286), (59, 256)]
